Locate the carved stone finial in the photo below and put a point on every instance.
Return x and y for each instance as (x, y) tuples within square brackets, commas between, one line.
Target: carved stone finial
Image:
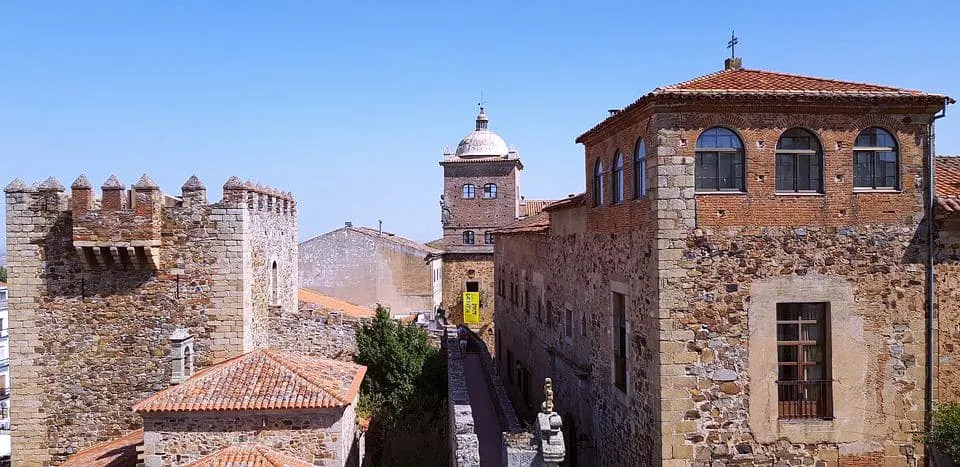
[(232, 183), (547, 396), (112, 183), (193, 184), (81, 183), (15, 186), (146, 182), (51, 184)]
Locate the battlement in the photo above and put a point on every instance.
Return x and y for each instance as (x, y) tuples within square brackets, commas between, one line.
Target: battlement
[(124, 226)]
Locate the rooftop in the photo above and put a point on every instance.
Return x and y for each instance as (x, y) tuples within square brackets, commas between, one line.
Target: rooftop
[(382, 235), (333, 303), (532, 207), (742, 82), (248, 455), (264, 379), (948, 183), (534, 224), (120, 451)]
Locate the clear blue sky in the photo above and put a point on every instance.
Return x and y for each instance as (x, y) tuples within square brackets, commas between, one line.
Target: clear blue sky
[(349, 104)]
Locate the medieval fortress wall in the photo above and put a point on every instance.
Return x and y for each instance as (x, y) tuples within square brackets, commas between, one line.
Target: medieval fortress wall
[(97, 286)]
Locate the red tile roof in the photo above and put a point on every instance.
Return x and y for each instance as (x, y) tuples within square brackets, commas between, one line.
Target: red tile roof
[(263, 379), (571, 201), (248, 455), (948, 183), (532, 207), (760, 83), (536, 224), (118, 452), (327, 302)]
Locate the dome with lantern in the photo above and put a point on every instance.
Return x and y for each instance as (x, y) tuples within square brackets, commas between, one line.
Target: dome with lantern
[(482, 142)]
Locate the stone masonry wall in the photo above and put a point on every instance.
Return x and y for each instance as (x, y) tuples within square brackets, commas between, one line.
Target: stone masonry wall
[(948, 307), (464, 444), (456, 272), (92, 336), (602, 424), (316, 437), (365, 270), (726, 260), (314, 331)]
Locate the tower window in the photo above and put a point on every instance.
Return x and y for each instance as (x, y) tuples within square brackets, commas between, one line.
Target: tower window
[(719, 161), (488, 238), (274, 280), (490, 191), (598, 183), (799, 162), (640, 170), (876, 160), (616, 185), (468, 238), (469, 191)]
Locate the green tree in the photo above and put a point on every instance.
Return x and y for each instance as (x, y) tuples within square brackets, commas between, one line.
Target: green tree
[(3, 274), (402, 394), (944, 432)]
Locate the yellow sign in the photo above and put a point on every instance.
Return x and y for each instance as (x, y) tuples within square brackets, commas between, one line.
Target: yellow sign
[(471, 307)]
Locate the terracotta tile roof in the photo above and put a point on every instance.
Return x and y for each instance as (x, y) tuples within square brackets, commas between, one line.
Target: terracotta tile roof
[(532, 207), (436, 244), (761, 83), (263, 379), (114, 453), (948, 183), (248, 455), (571, 201), (332, 303), (539, 223)]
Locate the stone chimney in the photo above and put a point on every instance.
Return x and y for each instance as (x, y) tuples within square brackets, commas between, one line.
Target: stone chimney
[(735, 63)]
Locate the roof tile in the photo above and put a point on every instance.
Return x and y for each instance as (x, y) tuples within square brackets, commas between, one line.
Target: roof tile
[(333, 303), (120, 451), (948, 176), (263, 379), (248, 455)]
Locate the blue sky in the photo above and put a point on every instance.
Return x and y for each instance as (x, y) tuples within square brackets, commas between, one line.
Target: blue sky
[(350, 104)]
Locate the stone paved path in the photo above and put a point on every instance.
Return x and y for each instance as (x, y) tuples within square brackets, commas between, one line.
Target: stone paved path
[(485, 420)]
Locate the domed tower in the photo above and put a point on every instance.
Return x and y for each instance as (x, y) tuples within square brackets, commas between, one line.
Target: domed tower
[(481, 193)]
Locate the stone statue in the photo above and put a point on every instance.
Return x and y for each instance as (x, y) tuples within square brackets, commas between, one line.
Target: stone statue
[(445, 214)]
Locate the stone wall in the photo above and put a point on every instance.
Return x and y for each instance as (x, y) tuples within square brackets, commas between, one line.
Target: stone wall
[(948, 307), (579, 273), (458, 269), (314, 331), (464, 444), (92, 332), (364, 269), (322, 437)]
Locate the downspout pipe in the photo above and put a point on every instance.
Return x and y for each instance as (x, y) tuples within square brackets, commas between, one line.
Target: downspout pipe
[(931, 203)]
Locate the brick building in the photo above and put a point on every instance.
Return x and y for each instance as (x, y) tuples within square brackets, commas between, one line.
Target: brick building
[(481, 193), (744, 280), (369, 266), (112, 297)]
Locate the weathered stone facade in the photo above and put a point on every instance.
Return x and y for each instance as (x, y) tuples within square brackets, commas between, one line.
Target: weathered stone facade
[(458, 269), (702, 274), (98, 287), (315, 331), (948, 306), (366, 266), (322, 437)]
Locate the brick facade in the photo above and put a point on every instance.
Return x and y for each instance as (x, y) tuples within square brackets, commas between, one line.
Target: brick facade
[(98, 287), (702, 274)]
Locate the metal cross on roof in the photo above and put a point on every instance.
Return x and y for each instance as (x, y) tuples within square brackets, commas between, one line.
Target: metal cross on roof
[(482, 102), (732, 45)]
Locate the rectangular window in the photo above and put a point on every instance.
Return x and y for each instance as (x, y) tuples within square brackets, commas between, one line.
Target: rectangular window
[(540, 310), (620, 341), (488, 238), (509, 365), (526, 301), (549, 313), (804, 387), (568, 322), (719, 171), (469, 191), (799, 173), (583, 324), (473, 286)]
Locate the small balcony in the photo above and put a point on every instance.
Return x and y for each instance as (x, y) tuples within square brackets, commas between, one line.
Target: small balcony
[(810, 399)]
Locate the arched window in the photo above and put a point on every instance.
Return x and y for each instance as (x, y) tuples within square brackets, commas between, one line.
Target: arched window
[(640, 170), (598, 184), (799, 162), (616, 179), (469, 191), (187, 362), (490, 191), (876, 160), (468, 238), (274, 294), (719, 164)]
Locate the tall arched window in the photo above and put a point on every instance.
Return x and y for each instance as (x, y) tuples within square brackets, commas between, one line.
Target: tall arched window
[(468, 237), (274, 279), (799, 162), (876, 160), (640, 170), (719, 164), (598, 184), (616, 179)]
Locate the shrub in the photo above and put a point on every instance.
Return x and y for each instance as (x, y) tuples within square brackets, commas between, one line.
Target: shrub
[(944, 432)]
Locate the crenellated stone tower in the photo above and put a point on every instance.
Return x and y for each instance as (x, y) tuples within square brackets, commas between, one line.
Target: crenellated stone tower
[(99, 286)]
